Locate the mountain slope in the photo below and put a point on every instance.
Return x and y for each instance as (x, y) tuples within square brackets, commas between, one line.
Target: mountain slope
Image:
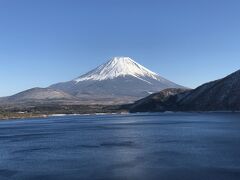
[(219, 95), (120, 78), (223, 94), (158, 101), (37, 95)]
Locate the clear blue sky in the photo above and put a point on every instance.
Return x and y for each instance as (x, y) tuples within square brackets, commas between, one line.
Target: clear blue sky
[(47, 41)]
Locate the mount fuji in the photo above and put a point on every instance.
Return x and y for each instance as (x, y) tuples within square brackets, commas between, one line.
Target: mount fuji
[(120, 80)]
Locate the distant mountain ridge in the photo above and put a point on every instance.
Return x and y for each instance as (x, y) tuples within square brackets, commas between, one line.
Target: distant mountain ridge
[(123, 81), (37, 95), (118, 81)]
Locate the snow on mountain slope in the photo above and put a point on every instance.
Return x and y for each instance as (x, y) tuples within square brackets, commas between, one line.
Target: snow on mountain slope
[(119, 67)]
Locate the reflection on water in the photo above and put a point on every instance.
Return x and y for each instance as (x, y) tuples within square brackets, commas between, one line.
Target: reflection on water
[(138, 146)]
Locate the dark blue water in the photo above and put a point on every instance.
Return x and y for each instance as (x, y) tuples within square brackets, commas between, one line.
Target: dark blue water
[(148, 146)]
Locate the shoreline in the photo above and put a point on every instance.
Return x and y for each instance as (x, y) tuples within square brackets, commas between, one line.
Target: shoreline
[(44, 111), (22, 116)]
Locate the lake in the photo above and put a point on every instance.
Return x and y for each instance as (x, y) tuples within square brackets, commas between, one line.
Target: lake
[(161, 146)]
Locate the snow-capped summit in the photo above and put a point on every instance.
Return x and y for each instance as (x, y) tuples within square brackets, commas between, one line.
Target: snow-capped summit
[(120, 80), (118, 67)]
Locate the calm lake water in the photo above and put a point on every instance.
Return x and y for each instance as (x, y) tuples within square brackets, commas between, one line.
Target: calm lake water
[(174, 146)]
